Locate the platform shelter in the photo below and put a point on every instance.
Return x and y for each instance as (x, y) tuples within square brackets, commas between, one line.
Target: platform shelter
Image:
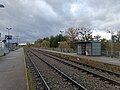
[(90, 48)]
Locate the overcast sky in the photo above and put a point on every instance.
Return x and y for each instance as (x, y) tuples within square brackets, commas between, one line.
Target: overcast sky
[(33, 19)]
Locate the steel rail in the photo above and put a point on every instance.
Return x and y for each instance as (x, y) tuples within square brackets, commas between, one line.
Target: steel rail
[(63, 74), (108, 71), (41, 77), (112, 81)]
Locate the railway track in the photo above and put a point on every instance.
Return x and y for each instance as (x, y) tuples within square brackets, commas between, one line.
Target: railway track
[(91, 71), (66, 81), (95, 74), (39, 80), (83, 65), (98, 69)]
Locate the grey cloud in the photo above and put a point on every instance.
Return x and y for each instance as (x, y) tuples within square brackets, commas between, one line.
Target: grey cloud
[(33, 19)]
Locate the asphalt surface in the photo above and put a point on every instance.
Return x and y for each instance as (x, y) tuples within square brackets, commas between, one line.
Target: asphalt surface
[(12, 71)]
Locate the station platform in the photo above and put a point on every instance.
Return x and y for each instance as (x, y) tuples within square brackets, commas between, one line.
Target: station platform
[(12, 71), (109, 60)]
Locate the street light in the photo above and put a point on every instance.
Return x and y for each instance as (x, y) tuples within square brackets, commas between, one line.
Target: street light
[(61, 34), (8, 35), (2, 6), (111, 42)]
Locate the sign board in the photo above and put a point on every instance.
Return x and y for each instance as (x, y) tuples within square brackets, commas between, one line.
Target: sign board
[(8, 37), (4, 40), (59, 42)]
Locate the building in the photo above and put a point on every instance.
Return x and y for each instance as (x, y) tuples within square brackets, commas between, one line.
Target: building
[(91, 48), (3, 49)]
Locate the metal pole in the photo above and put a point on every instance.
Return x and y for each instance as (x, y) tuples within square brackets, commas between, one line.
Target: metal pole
[(111, 44), (61, 40), (8, 39), (109, 31), (8, 36)]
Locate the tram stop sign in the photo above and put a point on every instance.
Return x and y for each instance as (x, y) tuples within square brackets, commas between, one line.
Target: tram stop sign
[(8, 37)]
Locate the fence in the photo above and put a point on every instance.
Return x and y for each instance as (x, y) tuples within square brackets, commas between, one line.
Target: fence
[(103, 53), (111, 54), (66, 50)]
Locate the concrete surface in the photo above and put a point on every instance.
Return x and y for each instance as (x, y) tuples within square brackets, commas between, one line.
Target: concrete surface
[(114, 61), (12, 71)]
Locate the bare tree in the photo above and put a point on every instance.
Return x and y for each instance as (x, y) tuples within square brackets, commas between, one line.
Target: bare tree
[(85, 34), (97, 37), (72, 34)]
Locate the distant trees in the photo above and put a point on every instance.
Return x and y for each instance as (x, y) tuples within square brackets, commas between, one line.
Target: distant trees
[(77, 34), (68, 40), (38, 42), (52, 42), (106, 44), (29, 44), (64, 44), (116, 41), (45, 44)]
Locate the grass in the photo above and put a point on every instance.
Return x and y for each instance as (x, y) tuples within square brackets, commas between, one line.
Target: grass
[(29, 76), (30, 80)]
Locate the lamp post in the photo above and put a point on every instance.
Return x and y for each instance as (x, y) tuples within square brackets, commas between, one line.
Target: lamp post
[(8, 36), (111, 42), (61, 31), (2, 6), (61, 39)]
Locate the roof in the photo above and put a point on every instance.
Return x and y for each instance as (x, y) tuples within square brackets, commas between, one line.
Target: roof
[(82, 42)]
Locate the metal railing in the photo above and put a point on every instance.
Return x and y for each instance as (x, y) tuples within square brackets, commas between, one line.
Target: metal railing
[(111, 54), (66, 50)]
